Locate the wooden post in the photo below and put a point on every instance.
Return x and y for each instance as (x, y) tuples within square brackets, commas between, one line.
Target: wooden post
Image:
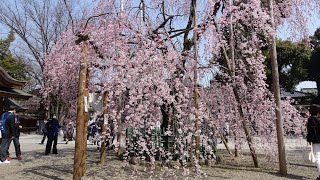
[(223, 139), (246, 129), (232, 46), (233, 63), (232, 68), (104, 129), (236, 148), (119, 130), (195, 74), (239, 107), (85, 125), (276, 92), (121, 7), (119, 151), (141, 15), (78, 154)]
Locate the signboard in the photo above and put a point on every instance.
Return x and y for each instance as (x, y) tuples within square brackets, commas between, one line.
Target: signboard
[(85, 103), (105, 119)]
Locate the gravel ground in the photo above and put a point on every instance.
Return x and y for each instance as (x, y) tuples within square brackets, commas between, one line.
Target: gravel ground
[(34, 165)]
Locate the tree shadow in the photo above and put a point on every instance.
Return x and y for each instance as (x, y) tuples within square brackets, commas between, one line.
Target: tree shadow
[(46, 171), (44, 175), (53, 169), (252, 169), (303, 165)]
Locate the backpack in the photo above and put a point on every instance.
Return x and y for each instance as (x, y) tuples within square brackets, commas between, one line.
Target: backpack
[(3, 121)]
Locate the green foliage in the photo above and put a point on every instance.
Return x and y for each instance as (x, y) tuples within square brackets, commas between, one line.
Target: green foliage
[(293, 61), (5, 44), (314, 67), (14, 66)]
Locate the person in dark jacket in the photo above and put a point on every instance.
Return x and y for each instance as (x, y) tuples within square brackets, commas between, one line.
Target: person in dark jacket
[(7, 133), (313, 136), (15, 139), (52, 127)]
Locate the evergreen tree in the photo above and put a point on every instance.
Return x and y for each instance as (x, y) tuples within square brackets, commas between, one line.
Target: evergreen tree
[(13, 65), (293, 62), (314, 67)]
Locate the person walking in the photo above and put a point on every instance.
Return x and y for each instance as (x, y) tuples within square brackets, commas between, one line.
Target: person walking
[(45, 132), (52, 127), (15, 139), (69, 132), (7, 131), (313, 133)]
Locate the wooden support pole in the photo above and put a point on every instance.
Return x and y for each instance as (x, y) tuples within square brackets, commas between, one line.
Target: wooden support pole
[(232, 73), (236, 148), (78, 154), (195, 75), (246, 129), (85, 125), (104, 130), (121, 7), (223, 139), (119, 130), (276, 92), (250, 143), (119, 151)]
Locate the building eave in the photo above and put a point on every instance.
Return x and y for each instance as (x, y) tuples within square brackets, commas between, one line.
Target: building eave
[(8, 81)]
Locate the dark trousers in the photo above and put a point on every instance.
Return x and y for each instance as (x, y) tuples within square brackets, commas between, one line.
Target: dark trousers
[(43, 138), (49, 144), (4, 146), (16, 144)]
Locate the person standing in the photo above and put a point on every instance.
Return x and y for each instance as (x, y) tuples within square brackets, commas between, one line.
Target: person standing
[(313, 136), (7, 131), (15, 139), (52, 127)]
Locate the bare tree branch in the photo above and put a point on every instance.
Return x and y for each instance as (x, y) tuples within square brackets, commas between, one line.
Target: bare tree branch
[(38, 25)]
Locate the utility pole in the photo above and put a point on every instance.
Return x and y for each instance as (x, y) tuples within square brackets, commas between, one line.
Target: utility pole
[(276, 92), (104, 129), (78, 167)]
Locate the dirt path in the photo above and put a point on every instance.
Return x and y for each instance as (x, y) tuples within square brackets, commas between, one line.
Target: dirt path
[(36, 166)]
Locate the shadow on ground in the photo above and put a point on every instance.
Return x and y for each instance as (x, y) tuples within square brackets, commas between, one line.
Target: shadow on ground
[(59, 167)]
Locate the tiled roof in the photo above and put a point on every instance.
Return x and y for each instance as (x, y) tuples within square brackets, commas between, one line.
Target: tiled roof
[(294, 94)]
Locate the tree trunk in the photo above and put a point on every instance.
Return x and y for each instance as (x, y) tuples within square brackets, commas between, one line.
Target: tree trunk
[(165, 117)]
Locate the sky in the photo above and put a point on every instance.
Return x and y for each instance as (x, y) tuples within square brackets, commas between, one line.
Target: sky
[(282, 33), (313, 24)]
